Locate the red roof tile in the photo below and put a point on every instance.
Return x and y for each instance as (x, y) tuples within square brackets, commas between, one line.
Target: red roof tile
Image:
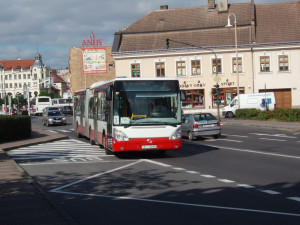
[(16, 64)]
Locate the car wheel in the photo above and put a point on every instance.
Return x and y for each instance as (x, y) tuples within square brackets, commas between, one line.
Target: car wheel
[(230, 115), (191, 135)]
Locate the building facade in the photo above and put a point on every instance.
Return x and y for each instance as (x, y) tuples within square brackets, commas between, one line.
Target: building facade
[(194, 45), (15, 74)]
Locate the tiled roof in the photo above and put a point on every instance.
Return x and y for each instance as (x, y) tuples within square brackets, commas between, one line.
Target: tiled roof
[(197, 26), (189, 19), (278, 22), (16, 64), (56, 78)]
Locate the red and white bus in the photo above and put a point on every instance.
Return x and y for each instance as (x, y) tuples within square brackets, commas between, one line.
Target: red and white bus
[(130, 114)]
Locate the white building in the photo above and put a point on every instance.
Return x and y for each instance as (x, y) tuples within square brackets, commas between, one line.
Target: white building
[(14, 74)]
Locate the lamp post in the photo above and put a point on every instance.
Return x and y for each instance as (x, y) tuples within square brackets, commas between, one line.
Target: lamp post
[(236, 54)]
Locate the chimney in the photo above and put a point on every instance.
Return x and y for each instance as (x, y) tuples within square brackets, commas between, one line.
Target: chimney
[(164, 7), (211, 5), (223, 5)]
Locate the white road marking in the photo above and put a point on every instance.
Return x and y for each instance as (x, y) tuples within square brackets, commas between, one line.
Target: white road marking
[(157, 163), (253, 151), (96, 175), (226, 181), (208, 176), (245, 186), (192, 172), (233, 135), (177, 168), (273, 135), (271, 139), (294, 198), (178, 203), (271, 192)]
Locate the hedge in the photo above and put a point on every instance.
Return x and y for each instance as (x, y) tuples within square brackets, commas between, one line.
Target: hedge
[(287, 115), (14, 127)]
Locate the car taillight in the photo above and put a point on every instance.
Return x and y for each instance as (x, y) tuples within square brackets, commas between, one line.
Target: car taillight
[(195, 126), (218, 124)]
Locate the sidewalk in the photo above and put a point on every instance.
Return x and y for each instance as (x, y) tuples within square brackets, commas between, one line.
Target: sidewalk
[(289, 126), (21, 200)]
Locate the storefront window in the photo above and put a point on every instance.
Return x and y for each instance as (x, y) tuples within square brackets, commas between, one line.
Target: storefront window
[(226, 96), (194, 98)]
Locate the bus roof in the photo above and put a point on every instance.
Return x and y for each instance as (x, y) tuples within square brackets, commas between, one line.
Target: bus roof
[(105, 82)]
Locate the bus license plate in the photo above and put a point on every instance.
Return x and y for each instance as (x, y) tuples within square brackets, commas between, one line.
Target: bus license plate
[(208, 125), (149, 146)]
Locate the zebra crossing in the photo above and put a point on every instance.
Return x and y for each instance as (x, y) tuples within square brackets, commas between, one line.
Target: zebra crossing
[(70, 150)]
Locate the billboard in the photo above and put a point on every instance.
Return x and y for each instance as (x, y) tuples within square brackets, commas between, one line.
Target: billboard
[(94, 60)]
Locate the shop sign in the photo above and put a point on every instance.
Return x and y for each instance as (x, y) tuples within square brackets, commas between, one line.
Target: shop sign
[(192, 84), (92, 42), (227, 83)]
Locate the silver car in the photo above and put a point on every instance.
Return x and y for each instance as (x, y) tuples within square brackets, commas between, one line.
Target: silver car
[(53, 118), (200, 124)]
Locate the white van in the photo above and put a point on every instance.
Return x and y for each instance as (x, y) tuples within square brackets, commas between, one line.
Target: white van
[(250, 101)]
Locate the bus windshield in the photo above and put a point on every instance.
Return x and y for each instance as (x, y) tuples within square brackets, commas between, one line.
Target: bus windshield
[(146, 103)]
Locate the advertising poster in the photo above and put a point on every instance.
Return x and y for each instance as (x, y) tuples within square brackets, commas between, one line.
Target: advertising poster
[(94, 60)]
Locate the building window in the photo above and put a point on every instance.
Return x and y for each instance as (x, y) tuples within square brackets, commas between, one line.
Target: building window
[(135, 70), (180, 68), (10, 85), (238, 64), (20, 77), (216, 66), (10, 77), (24, 76), (35, 76), (194, 98), (283, 63), (264, 63), (6, 85), (28, 76), (160, 69), (15, 76), (20, 85), (196, 67)]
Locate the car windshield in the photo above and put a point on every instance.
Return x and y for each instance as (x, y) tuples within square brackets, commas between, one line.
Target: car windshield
[(204, 116), (54, 113)]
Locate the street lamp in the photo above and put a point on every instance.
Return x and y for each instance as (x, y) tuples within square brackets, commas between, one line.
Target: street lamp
[(236, 54)]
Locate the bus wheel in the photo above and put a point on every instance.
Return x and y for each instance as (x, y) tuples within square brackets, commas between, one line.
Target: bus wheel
[(107, 151), (77, 132), (92, 142)]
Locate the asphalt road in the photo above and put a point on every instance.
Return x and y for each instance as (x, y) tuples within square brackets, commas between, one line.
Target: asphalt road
[(248, 176)]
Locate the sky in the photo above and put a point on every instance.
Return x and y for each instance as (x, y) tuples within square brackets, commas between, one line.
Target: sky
[(52, 27)]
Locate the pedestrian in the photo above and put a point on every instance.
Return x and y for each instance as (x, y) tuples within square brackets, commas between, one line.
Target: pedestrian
[(24, 111)]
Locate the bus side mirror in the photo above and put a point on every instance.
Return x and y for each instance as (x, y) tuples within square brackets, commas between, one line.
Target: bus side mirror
[(109, 93), (182, 96)]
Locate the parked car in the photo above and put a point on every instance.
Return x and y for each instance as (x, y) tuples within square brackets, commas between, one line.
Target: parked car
[(53, 118), (200, 124), (66, 110)]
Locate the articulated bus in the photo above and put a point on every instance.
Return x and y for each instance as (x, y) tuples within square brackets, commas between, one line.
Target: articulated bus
[(130, 114)]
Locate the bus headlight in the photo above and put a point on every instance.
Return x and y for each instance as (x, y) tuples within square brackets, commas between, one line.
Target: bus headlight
[(176, 135), (120, 135)]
